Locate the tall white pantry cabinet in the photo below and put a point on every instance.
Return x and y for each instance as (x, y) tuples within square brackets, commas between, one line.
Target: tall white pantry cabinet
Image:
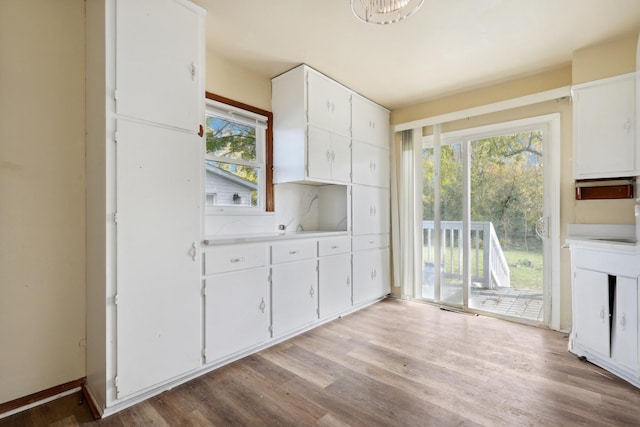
[(145, 82)]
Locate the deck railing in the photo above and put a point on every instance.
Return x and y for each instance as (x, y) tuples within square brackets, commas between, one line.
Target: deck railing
[(489, 266)]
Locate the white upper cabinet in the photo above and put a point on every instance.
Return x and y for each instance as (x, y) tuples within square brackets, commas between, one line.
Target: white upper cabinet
[(159, 66), (370, 122), (312, 128), (370, 208), (370, 165), (604, 134), (328, 104), (329, 156)]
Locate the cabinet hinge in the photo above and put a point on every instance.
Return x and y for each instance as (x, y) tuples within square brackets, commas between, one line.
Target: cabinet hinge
[(204, 290), (115, 94), (116, 385), (204, 354), (116, 217), (116, 299), (115, 136), (270, 328)]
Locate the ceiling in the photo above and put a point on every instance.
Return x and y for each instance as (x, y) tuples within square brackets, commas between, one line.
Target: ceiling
[(448, 46)]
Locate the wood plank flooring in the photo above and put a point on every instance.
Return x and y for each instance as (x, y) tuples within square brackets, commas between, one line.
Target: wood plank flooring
[(395, 363)]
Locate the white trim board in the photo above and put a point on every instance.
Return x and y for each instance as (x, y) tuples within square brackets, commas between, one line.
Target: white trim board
[(487, 109)]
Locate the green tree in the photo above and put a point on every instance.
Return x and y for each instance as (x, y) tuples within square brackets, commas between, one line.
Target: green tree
[(232, 140)]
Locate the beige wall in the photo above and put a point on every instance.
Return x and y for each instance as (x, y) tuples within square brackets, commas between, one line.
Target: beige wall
[(605, 59), (591, 63), (551, 79), (42, 283), (231, 81)]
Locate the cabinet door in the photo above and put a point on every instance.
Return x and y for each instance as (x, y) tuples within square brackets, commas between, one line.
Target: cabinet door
[(370, 165), (328, 104), (319, 154), (605, 129), (159, 300), (624, 341), (236, 312), (334, 284), (370, 207), (329, 156), (158, 75), (371, 278), (340, 159), (294, 295), (370, 122), (591, 310)]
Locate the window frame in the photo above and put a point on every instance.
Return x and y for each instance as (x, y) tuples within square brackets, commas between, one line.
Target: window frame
[(267, 205)]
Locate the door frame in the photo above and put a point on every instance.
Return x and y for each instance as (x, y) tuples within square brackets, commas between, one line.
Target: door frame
[(551, 199)]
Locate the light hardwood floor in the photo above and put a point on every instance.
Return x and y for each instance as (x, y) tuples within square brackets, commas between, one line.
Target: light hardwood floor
[(395, 363)]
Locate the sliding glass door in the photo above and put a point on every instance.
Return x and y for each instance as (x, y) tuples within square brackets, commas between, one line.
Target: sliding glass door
[(485, 222)]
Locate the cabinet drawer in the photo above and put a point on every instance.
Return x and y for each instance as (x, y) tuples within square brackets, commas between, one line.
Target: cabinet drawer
[(613, 263), (334, 245), (371, 241), (293, 251), (234, 257)]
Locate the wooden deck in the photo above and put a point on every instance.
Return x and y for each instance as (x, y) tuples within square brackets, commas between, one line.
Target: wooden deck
[(395, 363)]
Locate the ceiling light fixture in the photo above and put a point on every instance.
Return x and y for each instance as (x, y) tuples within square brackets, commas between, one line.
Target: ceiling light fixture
[(384, 11)]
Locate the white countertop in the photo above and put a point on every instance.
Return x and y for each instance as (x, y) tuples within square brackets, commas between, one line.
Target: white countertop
[(604, 236), (265, 237)]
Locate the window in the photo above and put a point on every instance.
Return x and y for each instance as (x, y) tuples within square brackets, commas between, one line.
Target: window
[(237, 156)]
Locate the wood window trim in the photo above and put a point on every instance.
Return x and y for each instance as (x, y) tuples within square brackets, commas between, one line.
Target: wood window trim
[(268, 143)]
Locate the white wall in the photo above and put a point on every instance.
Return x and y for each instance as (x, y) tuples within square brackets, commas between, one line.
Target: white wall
[(42, 283)]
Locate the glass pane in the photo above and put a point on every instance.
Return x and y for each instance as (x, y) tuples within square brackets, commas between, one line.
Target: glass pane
[(451, 187), (230, 139), (227, 184), (506, 204), (428, 238)]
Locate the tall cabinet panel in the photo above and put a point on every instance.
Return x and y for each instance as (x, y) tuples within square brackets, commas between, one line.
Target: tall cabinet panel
[(144, 62), (158, 332), (158, 70)]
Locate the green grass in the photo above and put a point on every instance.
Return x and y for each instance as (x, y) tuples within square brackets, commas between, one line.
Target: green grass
[(525, 267)]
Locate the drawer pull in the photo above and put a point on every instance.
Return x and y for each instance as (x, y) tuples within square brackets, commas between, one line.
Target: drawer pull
[(335, 246), (371, 242), (602, 313), (293, 252), (262, 305), (623, 321), (311, 292), (234, 260)]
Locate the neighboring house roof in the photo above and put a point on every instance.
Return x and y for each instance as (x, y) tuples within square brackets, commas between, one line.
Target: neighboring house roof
[(231, 177)]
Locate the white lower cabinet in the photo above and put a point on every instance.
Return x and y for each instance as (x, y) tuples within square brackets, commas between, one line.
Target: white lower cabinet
[(334, 284), (294, 295), (591, 310), (605, 308), (237, 312), (371, 278), (624, 339)]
